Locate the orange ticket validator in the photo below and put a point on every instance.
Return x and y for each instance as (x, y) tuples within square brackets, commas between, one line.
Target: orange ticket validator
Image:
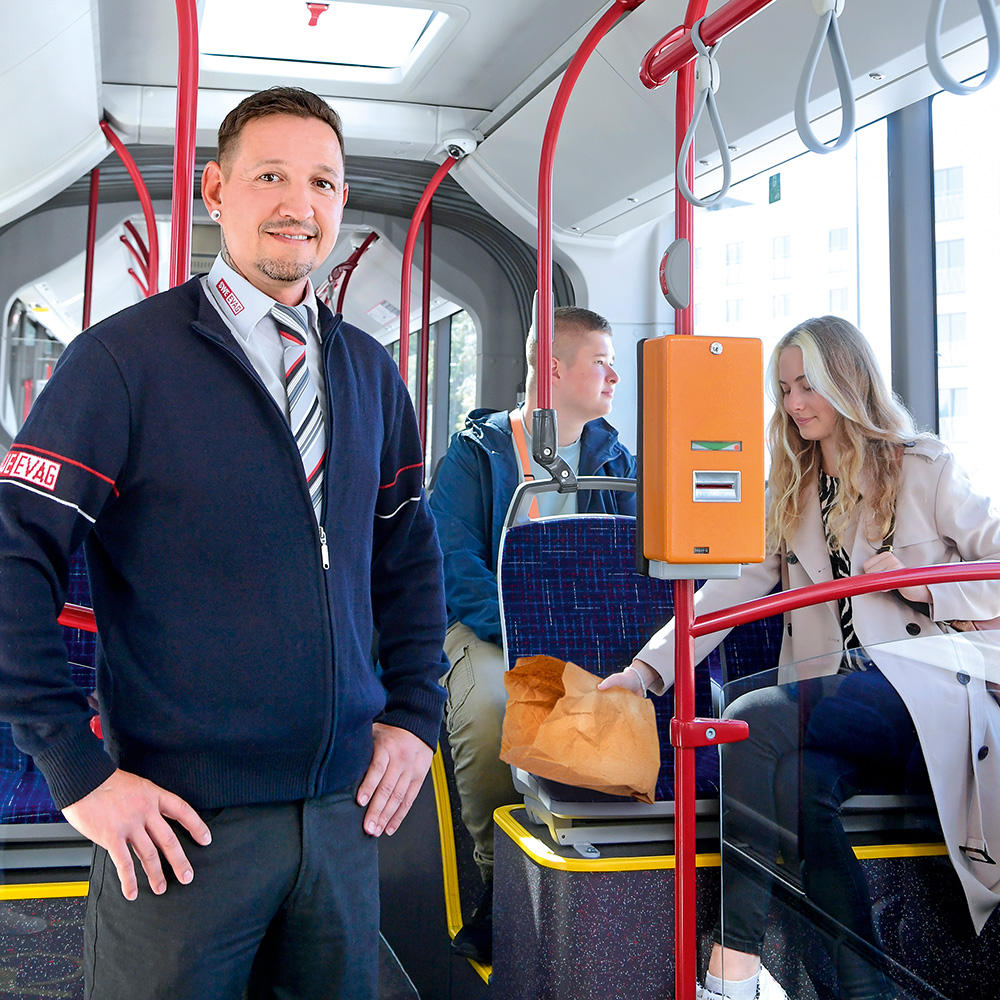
[(701, 466)]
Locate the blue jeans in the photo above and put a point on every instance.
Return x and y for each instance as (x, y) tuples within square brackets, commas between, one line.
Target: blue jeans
[(812, 745), (284, 905)]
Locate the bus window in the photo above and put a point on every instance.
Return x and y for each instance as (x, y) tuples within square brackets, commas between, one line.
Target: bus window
[(966, 217)]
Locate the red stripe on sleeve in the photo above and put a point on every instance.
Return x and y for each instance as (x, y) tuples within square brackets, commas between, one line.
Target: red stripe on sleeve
[(70, 461)]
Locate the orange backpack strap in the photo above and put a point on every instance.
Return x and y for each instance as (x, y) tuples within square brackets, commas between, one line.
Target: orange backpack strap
[(521, 446)]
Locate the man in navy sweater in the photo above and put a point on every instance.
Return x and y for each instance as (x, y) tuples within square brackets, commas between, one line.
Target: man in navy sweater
[(251, 753)]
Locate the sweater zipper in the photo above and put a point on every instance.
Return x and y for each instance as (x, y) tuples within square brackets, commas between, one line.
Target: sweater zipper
[(324, 550)]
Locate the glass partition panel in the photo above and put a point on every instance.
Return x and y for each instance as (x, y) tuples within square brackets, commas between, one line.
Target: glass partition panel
[(861, 821)]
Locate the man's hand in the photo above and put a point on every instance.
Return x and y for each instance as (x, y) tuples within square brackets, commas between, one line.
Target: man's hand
[(398, 768), (128, 810)]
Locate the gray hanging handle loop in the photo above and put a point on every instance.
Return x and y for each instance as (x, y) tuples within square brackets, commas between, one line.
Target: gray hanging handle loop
[(706, 75), (828, 30), (991, 20)]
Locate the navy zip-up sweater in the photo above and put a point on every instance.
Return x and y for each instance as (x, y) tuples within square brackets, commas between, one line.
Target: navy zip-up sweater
[(232, 667)]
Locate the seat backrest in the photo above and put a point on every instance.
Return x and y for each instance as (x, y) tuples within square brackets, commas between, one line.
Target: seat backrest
[(81, 648), (569, 589), (751, 649)]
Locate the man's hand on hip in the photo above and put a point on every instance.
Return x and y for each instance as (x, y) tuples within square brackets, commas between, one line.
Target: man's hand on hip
[(126, 810), (398, 768)]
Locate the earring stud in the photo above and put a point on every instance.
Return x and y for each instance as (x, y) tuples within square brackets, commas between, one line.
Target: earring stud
[(215, 215)]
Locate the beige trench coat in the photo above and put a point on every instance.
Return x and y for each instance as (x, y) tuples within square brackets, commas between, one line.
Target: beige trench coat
[(939, 519)]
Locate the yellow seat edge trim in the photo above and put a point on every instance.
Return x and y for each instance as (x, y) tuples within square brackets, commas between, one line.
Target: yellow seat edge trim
[(43, 890), (449, 862)]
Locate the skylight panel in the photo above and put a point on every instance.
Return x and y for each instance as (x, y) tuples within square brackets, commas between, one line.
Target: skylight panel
[(344, 34)]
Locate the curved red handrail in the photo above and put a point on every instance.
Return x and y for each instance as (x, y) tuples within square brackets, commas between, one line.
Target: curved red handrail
[(184, 141), (411, 241), (348, 268), (676, 49), (136, 256), (147, 206), (821, 593), (543, 329), (137, 236)]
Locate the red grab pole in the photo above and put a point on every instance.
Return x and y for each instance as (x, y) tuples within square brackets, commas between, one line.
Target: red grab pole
[(543, 331), (88, 269), (147, 206), (184, 142), (425, 332), (411, 242)]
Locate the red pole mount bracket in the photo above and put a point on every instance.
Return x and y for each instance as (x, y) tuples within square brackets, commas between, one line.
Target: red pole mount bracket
[(315, 9), (707, 732)]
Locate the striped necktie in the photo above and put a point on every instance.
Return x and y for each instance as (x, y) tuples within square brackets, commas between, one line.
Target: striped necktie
[(305, 418)]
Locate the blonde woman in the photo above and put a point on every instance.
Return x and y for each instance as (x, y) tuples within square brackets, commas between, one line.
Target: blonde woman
[(853, 489)]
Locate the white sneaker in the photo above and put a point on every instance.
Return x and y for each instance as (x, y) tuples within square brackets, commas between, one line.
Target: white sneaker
[(768, 988)]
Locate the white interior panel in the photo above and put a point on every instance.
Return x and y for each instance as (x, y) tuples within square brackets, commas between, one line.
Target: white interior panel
[(51, 107)]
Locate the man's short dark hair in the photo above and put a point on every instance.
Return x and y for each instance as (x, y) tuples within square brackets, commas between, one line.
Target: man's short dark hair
[(570, 324), (274, 101)]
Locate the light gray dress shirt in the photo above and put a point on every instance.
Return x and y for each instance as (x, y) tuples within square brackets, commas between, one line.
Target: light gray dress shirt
[(246, 310)]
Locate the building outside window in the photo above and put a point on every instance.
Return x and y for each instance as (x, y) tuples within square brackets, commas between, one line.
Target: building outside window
[(781, 253), (966, 155), (949, 201), (950, 257)]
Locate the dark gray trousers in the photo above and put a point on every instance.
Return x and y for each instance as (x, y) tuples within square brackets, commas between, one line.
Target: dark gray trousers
[(283, 906)]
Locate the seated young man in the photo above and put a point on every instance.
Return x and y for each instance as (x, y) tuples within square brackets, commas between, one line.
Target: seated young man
[(473, 490)]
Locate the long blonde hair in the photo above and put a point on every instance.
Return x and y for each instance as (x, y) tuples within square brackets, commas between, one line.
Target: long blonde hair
[(872, 426)]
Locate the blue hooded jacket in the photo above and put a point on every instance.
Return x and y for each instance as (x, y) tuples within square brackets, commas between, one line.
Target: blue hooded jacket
[(472, 492)]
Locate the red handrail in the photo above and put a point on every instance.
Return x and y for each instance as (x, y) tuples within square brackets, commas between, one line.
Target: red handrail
[(675, 50), (88, 267), (184, 141), (543, 329), (411, 242), (137, 236), (147, 206), (425, 332), (348, 268), (821, 593)]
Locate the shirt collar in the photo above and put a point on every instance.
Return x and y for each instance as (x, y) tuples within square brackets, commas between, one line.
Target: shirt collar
[(244, 305)]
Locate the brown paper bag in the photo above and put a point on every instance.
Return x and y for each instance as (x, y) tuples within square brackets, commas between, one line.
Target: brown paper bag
[(559, 726)]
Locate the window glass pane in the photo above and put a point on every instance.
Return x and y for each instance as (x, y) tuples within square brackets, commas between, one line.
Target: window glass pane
[(346, 34), (462, 370), (29, 354), (831, 209), (967, 258)]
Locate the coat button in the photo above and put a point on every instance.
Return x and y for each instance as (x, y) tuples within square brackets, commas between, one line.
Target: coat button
[(789, 627), (984, 752), (913, 628), (963, 677), (791, 559)]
